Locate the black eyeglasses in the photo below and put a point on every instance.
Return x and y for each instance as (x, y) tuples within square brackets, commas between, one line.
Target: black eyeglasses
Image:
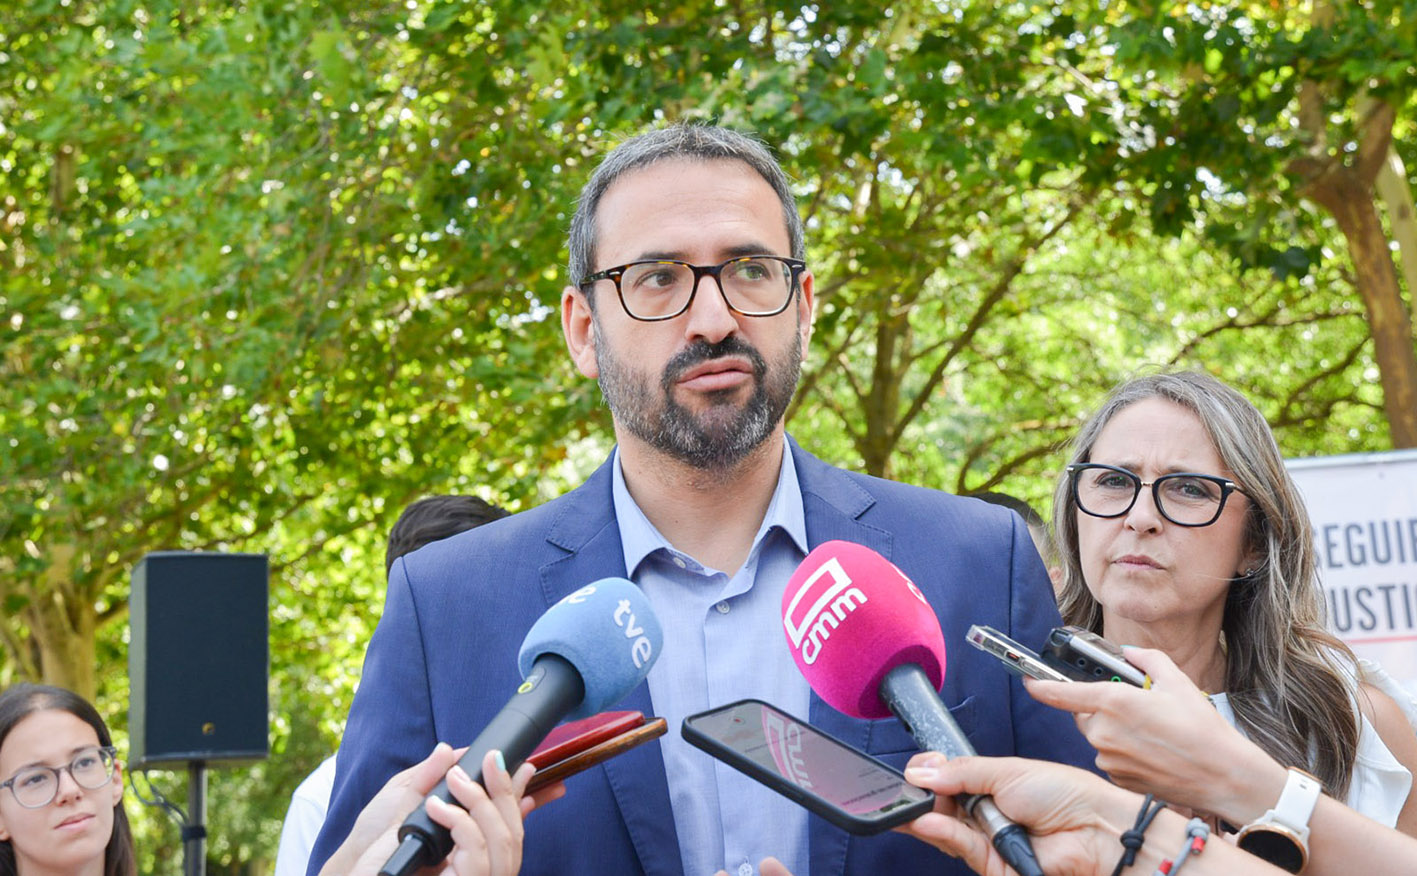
[(1183, 498), (657, 289), (37, 786)]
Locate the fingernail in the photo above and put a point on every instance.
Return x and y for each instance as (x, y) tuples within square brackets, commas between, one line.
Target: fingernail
[(1129, 647), (441, 746), (501, 762), (460, 772), (921, 772)]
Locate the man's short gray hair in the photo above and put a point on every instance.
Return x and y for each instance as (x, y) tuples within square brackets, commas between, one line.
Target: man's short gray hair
[(684, 141)]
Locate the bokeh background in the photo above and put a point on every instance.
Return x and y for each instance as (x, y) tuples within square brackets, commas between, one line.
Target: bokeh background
[(270, 270)]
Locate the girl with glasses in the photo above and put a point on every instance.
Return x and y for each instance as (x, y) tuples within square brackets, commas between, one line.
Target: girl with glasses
[(1179, 529), (61, 800), (61, 788)]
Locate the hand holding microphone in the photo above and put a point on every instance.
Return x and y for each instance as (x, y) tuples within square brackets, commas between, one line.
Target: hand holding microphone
[(486, 824), (870, 646), (586, 653)]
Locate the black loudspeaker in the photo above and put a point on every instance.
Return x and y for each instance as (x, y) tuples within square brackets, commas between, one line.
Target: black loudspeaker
[(199, 659)]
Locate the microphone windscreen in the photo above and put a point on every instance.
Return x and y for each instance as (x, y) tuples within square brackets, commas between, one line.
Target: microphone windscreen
[(607, 631), (851, 617)]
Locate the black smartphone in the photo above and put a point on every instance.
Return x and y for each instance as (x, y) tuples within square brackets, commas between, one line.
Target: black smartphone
[(1015, 657), (1086, 656), (847, 787)]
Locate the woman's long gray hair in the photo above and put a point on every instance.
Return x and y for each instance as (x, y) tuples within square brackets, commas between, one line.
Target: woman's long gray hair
[(1284, 674)]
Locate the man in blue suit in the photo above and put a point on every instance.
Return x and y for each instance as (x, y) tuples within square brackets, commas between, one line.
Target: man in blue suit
[(692, 306)]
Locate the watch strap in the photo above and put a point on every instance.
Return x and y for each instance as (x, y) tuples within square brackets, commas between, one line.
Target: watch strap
[(1296, 804), (1281, 835)]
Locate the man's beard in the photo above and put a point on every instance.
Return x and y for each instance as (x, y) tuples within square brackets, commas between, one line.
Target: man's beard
[(723, 434)]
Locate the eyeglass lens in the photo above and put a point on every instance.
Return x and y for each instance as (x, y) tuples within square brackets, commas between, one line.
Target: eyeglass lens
[(36, 786), (1182, 498), (751, 285)]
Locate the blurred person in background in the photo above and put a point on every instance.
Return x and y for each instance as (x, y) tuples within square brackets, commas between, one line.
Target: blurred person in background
[(430, 519)]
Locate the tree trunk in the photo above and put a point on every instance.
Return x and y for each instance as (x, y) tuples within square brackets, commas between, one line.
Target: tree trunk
[(1351, 203), (62, 623), (1344, 185), (882, 406), (1401, 215)]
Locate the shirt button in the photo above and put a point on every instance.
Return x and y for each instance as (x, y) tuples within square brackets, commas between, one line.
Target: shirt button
[(744, 869), (723, 609), (679, 561)]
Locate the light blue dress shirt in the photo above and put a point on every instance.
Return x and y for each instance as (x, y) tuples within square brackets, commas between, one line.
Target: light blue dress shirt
[(723, 641)]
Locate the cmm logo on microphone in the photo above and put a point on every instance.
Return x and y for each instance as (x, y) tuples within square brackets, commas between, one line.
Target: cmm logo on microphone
[(832, 597)]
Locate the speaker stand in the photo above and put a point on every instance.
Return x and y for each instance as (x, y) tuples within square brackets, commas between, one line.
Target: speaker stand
[(194, 833)]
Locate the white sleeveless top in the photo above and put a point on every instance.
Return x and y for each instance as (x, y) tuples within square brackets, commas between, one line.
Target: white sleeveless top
[(1380, 783)]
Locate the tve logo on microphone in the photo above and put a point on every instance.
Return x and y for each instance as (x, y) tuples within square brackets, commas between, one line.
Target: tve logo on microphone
[(831, 596), (641, 651)]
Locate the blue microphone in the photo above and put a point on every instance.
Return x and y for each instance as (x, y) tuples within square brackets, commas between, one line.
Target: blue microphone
[(586, 653)]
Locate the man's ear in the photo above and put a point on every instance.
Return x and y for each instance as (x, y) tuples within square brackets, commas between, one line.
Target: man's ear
[(578, 327), (809, 309)]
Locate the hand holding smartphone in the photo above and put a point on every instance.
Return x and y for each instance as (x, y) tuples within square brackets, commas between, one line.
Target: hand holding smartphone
[(847, 787)]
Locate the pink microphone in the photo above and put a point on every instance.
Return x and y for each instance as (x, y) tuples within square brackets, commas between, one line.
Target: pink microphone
[(870, 646), (851, 617)]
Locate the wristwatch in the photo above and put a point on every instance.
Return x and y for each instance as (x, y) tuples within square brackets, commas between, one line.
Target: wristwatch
[(1281, 835)]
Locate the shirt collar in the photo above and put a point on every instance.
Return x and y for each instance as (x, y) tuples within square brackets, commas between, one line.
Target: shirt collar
[(640, 538)]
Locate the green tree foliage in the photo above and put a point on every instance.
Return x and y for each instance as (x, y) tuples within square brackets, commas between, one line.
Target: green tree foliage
[(1263, 123), (273, 269)]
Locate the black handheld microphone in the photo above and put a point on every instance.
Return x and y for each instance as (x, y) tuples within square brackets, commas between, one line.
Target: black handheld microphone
[(912, 698), (586, 653), (871, 646)]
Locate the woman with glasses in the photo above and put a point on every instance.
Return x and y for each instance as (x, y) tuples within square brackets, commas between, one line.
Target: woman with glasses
[(61, 800), (1179, 529), (61, 788)]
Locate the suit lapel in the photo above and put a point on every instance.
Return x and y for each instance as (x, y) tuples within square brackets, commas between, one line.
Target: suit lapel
[(833, 504), (586, 530)]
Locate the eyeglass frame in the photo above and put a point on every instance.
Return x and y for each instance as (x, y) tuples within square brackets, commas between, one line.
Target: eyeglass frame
[(1226, 485), (109, 750), (795, 267)]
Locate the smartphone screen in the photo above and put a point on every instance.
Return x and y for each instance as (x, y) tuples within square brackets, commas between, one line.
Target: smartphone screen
[(1015, 657), (847, 787)]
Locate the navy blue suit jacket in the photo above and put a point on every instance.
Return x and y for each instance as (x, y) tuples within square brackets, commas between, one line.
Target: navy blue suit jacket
[(442, 662)]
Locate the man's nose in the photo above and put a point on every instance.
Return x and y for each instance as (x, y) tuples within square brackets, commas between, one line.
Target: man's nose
[(709, 316)]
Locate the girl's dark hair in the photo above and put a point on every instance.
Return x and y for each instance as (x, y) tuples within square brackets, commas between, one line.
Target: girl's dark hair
[(23, 700)]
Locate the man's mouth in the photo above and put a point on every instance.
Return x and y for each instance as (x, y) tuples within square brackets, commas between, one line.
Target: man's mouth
[(714, 375)]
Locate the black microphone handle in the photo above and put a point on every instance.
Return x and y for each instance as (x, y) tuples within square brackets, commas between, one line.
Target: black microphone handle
[(907, 691), (551, 690)]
